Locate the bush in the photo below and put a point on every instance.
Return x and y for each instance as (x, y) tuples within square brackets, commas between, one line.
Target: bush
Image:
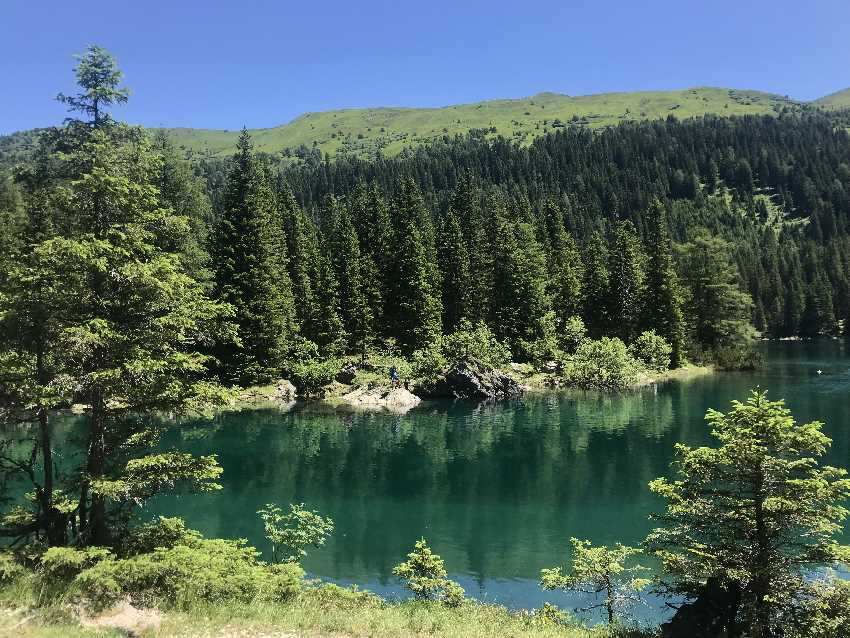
[(428, 364), (652, 350), (64, 563), (310, 377), (10, 569), (475, 343), (604, 364), (211, 571), (163, 532), (424, 574)]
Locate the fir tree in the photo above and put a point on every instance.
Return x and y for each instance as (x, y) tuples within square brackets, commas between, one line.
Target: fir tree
[(454, 264), (663, 305), (252, 275), (625, 287), (595, 287)]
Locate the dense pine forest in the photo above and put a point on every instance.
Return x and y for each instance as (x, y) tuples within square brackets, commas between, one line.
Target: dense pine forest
[(326, 257)]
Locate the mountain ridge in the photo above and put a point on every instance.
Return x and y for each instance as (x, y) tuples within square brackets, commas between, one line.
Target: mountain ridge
[(365, 132)]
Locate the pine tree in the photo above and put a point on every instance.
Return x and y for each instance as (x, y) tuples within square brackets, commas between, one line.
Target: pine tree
[(564, 263), (663, 305), (520, 304), (414, 307), (454, 265), (344, 249), (326, 328), (595, 287), (303, 251), (477, 229), (252, 271), (109, 319), (625, 286)]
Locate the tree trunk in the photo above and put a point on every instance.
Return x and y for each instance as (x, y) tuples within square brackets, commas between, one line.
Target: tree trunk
[(93, 526)]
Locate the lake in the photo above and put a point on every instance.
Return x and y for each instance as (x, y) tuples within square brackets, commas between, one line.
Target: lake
[(496, 489)]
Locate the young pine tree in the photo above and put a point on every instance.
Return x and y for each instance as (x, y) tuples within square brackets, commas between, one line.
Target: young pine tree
[(625, 286)]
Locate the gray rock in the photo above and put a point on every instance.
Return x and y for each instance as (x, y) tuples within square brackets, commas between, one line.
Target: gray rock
[(285, 391), (392, 399), (465, 380)]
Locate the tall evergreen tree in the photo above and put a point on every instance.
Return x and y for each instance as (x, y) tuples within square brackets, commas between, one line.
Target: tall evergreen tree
[(625, 286), (252, 271), (595, 287), (663, 305), (454, 265), (344, 249)]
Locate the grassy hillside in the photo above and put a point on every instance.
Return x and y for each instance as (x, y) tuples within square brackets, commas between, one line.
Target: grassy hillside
[(837, 100), (364, 131)]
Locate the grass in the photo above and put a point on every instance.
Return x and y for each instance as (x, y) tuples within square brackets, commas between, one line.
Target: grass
[(362, 132), (835, 101), (323, 611)]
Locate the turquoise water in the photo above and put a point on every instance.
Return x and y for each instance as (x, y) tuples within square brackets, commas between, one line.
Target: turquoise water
[(496, 489)]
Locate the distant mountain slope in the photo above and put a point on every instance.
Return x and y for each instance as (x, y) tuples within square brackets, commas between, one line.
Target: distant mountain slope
[(837, 100), (363, 131)]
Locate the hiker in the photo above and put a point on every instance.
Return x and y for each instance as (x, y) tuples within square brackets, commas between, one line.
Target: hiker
[(393, 376)]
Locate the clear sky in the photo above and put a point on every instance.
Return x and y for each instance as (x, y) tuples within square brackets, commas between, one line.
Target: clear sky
[(217, 64)]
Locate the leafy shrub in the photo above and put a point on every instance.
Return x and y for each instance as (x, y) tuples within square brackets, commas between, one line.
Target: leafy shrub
[(213, 571), (428, 364), (332, 595), (292, 532), (572, 333), (64, 563), (603, 364), (163, 532), (544, 346), (653, 350), (475, 343), (310, 377), (825, 610), (10, 569), (424, 574)]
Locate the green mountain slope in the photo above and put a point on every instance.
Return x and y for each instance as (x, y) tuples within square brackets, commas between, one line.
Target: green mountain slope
[(837, 100), (364, 131)]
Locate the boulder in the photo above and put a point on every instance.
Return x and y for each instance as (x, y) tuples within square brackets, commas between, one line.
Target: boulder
[(347, 374), (465, 380), (382, 397), (285, 391)]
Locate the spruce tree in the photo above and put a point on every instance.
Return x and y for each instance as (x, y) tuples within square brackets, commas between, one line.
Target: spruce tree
[(326, 328), (663, 305), (252, 272), (302, 249), (595, 287), (520, 304), (344, 248), (454, 265), (625, 286)]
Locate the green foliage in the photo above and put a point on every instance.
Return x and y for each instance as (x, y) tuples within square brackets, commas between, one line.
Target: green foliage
[(208, 571), (98, 77), (10, 568), (64, 563), (738, 356), (292, 532), (757, 512), (424, 574), (603, 364), (475, 342), (429, 363), (652, 350), (625, 286), (825, 611), (663, 300), (163, 532), (600, 570), (311, 376), (572, 333)]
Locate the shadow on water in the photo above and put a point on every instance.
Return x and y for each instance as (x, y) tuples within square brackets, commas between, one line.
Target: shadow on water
[(497, 489)]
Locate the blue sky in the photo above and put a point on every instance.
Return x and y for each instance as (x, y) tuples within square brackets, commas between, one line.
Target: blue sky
[(227, 64)]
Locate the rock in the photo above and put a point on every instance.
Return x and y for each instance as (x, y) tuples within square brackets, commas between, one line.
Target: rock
[(551, 366), (466, 380), (284, 391), (392, 399), (347, 374)]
